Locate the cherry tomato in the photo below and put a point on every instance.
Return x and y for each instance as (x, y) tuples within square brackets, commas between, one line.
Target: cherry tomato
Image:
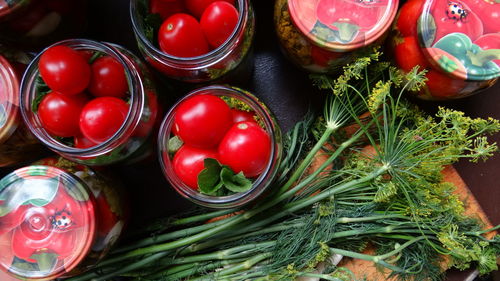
[(218, 22), (197, 7), (406, 21), (181, 36), (323, 57), (442, 86), (408, 54), (102, 117), (108, 78), (60, 113), (246, 148), (64, 70), (166, 8), (202, 120), (240, 115), (188, 163), (83, 142)]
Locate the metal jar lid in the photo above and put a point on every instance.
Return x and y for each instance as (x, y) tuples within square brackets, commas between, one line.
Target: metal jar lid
[(47, 222), (342, 25), (9, 100), (462, 37)]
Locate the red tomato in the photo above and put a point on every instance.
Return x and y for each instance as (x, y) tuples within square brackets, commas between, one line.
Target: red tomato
[(64, 70), (197, 7), (188, 163), (442, 86), (83, 142), (218, 22), (108, 78), (240, 115), (102, 117), (202, 120), (323, 57), (246, 148), (60, 113), (166, 8), (181, 36), (408, 54), (406, 21)]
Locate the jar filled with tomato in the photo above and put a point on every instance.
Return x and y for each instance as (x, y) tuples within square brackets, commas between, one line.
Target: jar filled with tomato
[(58, 219), (456, 42), (196, 41), (324, 35), (220, 147), (31, 24), (17, 144), (93, 103)]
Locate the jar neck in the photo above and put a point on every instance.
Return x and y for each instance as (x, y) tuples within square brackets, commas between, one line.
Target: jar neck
[(136, 102)]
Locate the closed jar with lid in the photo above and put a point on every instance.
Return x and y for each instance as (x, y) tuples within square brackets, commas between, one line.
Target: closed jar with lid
[(456, 42), (58, 220), (324, 35), (129, 141)]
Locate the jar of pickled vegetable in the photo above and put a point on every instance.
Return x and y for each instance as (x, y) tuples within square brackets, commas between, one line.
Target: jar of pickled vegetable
[(220, 147), (57, 220), (100, 108), (17, 144), (32, 24), (324, 35), (196, 41), (457, 42)]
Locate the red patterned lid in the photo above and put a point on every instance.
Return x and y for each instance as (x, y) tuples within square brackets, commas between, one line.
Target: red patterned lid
[(47, 222), (9, 99), (462, 37), (343, 25)]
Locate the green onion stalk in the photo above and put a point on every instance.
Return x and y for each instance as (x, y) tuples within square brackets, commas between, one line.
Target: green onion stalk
[(392, 198)]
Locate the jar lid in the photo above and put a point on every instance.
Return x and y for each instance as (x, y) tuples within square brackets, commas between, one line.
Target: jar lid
[(342, 25), (47, 222), (462, 37), (9, 99), (7, 7)]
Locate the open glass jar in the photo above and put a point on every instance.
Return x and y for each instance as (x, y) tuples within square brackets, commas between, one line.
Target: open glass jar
[(324, 35), (228, 63), (17, 144), (58, 220), (243, 142), (457, 42), (132, 136), (32, 24)]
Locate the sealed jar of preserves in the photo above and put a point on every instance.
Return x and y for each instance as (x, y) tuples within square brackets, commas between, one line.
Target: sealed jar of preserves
[(324, 35), (100, 108), (56, 221), (457, 42), (32, 24), (194, 44), (220, 147), (17, 144)]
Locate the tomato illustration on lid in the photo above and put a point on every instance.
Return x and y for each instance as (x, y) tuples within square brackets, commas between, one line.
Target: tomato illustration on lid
[(342, 25), (47, 223), (462, 37), (9, 100)]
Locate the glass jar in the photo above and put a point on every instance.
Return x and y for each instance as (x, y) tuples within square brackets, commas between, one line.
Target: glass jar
[(136, 129), (229, 62), (32, 24), (324, 35), (457, 42), (237, 99), (57, 220), (17, 144)]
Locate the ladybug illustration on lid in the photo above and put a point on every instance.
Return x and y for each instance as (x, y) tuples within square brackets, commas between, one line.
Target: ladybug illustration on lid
[(62, 220), (456, 11)]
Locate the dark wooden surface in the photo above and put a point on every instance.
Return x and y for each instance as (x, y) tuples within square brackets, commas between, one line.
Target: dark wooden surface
[(288, 92)]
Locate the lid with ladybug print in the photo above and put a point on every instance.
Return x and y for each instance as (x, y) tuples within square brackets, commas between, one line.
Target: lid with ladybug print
[(47, 223), (9, 100), (462, 37), (342, 25)]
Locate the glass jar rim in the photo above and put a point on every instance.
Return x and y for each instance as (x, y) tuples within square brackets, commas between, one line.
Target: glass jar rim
[(258, 186), (213, 55), (10, 107), (133, 115)]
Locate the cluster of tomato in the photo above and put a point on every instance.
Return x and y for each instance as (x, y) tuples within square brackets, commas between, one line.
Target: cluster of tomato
[(86, 100), (192, 28), (209, 128)]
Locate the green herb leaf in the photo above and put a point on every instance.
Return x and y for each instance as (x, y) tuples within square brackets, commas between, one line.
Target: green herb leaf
[(174, 144), (152, 23), (209, 178), (41, 91), (68, 141), (234, 182), (95, 56)]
